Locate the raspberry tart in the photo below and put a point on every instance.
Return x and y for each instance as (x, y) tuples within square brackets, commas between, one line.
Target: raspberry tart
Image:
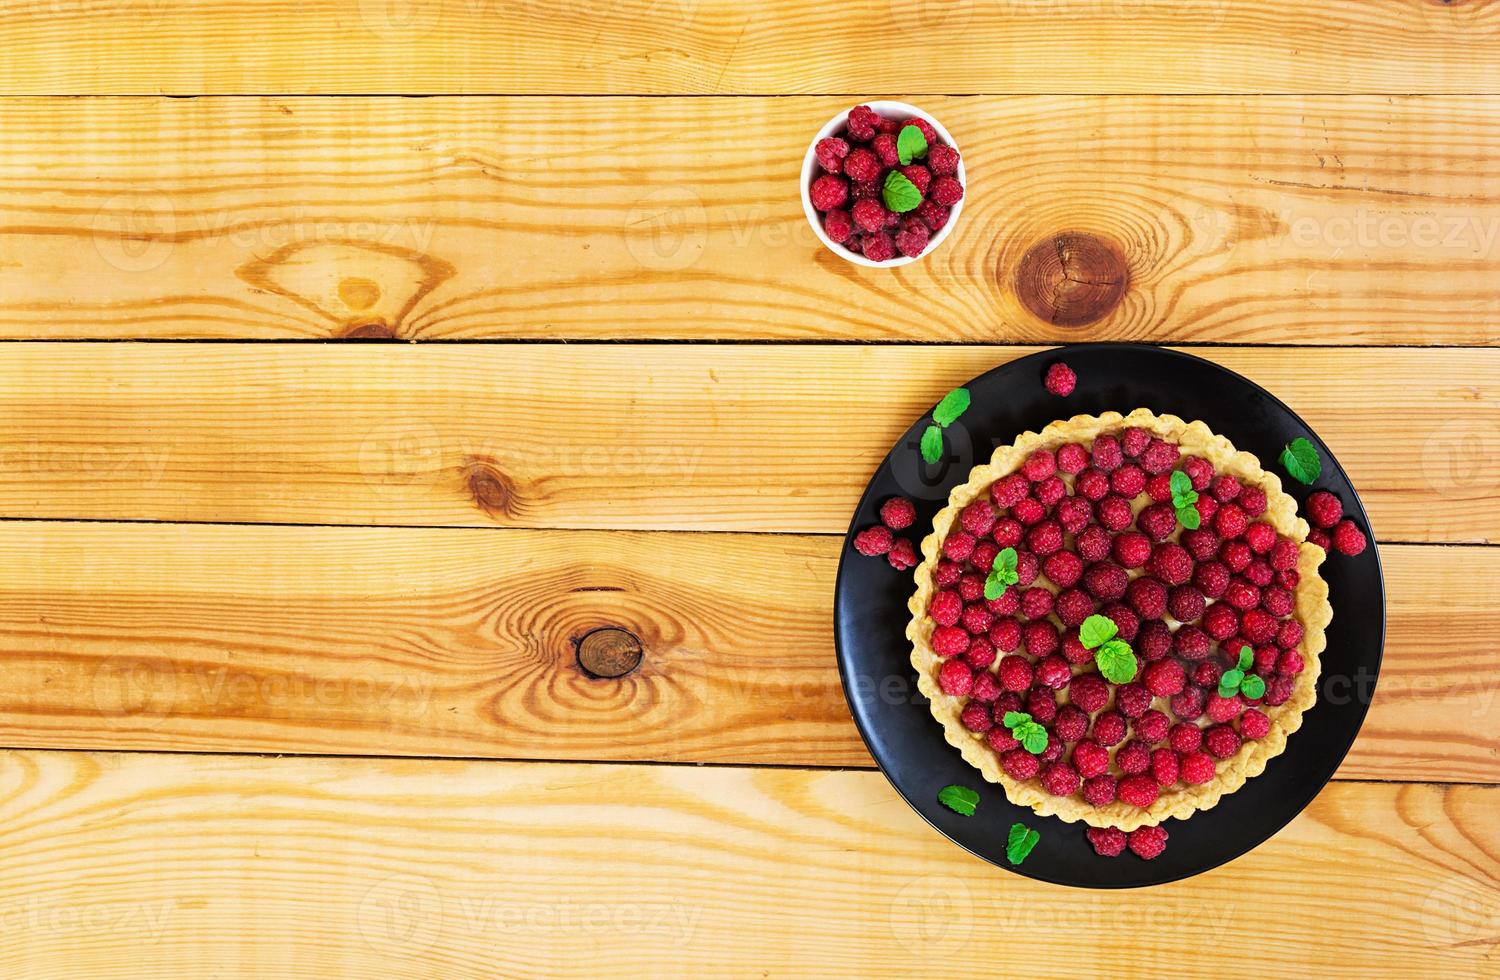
[(1119, 619)]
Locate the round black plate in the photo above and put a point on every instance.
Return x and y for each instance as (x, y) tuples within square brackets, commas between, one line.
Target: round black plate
[(870, 617)]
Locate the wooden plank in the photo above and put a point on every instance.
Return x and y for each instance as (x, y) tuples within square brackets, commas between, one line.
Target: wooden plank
[(461, 642), (695, 437), (727, 46), (1262, 220), (131, 867)]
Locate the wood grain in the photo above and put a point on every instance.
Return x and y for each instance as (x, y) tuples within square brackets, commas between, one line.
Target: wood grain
[(462, 642), (729, 46), (116, 867), (1244, 220), (618, 436)]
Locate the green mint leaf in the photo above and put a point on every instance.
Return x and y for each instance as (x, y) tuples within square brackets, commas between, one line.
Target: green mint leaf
[(910, 145), (1182, 484), (1019, 842), (1096, 630), (900, 194), (1232, 678), (959, 799), (994, 585), (1253, 686), (1116, 661), (1225, 690), (932, 444), (1033, 737), (1188, 516), (1246, 658), (1014, 718), (1300, 460), (954, 404), (1005, 563)]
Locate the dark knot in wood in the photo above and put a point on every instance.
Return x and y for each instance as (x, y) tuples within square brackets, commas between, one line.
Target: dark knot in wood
[(1072, 278), (609, 652)]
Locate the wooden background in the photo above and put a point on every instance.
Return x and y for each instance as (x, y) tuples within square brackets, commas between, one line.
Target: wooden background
[(288, 619)]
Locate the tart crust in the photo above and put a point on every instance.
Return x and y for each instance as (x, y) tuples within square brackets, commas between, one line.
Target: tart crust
[(1312, 610)]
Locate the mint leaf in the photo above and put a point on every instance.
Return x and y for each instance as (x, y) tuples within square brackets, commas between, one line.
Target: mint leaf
[(1232, 678), (1096, 630), (1182, 484), (1253, 686), (932, 444), (1188, 516), (1300, 459), (1005, 565), (1014, 718), (1019, 842), (1246, 658), (1116, 661), (959, 799), (954, 404), (910, 145), (994, 585), (900, 194), (1033, 737)]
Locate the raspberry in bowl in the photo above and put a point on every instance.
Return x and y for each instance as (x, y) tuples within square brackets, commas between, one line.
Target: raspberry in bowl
[(877, 196)]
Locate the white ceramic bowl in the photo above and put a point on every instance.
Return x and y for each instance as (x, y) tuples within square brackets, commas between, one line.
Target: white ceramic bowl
[(811, 171)]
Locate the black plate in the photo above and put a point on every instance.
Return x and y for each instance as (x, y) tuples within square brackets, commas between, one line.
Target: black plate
[(870, 617)]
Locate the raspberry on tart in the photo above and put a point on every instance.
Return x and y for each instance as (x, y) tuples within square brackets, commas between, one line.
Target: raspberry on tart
[(1087, 509)]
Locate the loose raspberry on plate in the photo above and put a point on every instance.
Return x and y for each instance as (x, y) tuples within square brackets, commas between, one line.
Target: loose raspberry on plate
[(1060, 381), (1107, 841), (903, 555), (1147, 842), (1348, 539), (1324, 509), (873, 541)]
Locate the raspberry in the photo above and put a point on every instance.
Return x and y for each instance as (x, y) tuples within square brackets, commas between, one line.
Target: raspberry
[(1230, 521), (1154, 641), (1220, 622), (868, 214), (828, 192), (986, 688), (1190, 643), (1093, 543), (864, 190), (977, 619), (1054, 749), (1053, 672), (1107, 454), (1261, 537), (1285, 554), (903, 555), (1040, 638), (1252, 500), (1278, 690), (1134, 441), (1060, 380), (1164, 767), (1158, 521), (1147, 842), (959, 546), (1206, 674), (1131, 549), (1027, 568), (1159, 488), (1007, 532), (1127, 623), (1099, 791), (1007, 701), (1236, 555), (1090, 759), (1258, 626), (1071, 723), (1073, 607), (1045, 539), (1006, 634), (1148, 597), (956, 679), (1197, 768), (1060, 779), (945, 607), (932, 214), (1288, 578), (1014, 673), (1348, 539), (1225, 489), (1242, 595), (949, 641), (863, 122), (1185, 738), (1276, 601), (1063, 569), (1206, 507), (1185, 604), (971, 586), (1222, 741), (1132, 700), (1000, 739), (1036, 602), (1171, 563), (1164, 678), (983, 558), (1041, 704), (873, 541), (1109, 728), (1106, 581), (1092, 485), (1188, 705), (1211, 578), (947, 573), (947, 191), (1320, 537), (942, 159), (1133, 758), (1265, 660), (1200, 471), (1039, 465), (1260, 573), (1151, 727), (912, 239), (1108, 841), (1324, 509), (1223, 709), (976, 718), (1140, 791), (1254, 724), (878, 248), (1051, 490), (1290, 663), (1020, 764), (978, 518), (1201, 543), (1072, 459), (1028, 511), (1089, 693), (1114, 513), (1159, 457), (839, 225), (1289, 633), (918, 175), (884, 147), (830, 152)]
